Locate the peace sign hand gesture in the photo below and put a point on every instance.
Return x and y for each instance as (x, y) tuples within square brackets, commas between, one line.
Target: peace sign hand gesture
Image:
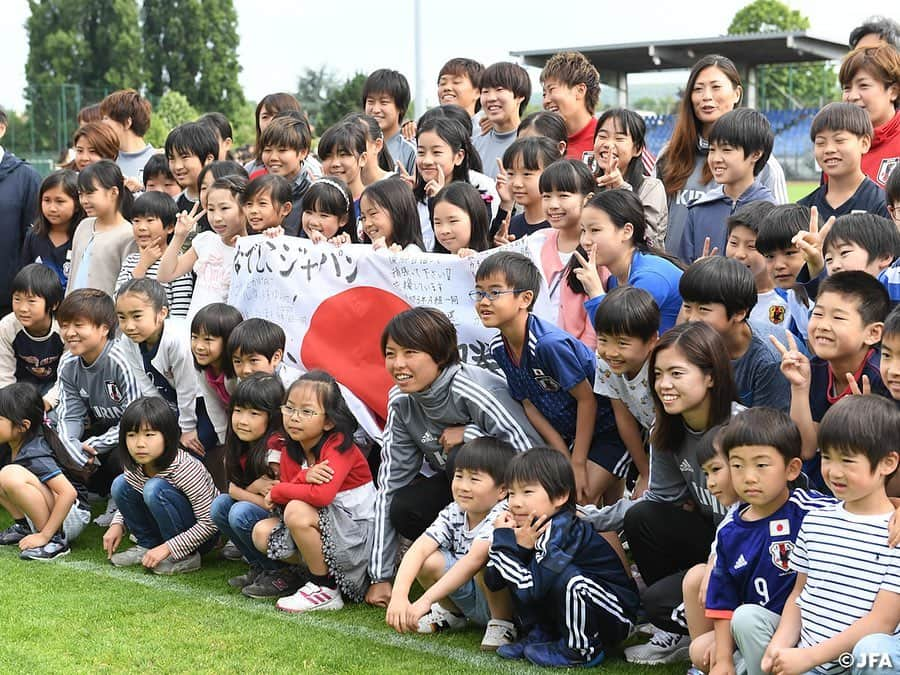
[(811, 242), (794, 364), (612, 176), (187, 222), (409, 179), (587, 274), (503, 236), (436, 184)]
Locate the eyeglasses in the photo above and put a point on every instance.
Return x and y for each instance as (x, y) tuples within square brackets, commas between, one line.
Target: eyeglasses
[(307, 413), (894, 210), (492, 294)]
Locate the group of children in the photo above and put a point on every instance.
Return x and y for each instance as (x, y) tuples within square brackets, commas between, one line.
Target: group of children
[(747, 400)]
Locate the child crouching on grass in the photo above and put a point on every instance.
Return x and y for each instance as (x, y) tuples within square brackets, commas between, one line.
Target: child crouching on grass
[(164, 496), (448, 559), (325, 498), (572, 595)]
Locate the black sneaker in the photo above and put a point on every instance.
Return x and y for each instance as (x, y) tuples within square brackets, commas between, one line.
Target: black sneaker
[(57, 547), (275, 583), (14, 534), (247, 578)]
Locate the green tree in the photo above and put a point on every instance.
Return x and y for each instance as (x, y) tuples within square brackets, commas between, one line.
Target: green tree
[(173, 109), (191, 47), (74, 45), (342, 99), (785, 86), (314, 88)]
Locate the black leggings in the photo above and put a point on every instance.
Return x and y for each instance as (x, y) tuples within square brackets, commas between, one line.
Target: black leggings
[(415, 506)]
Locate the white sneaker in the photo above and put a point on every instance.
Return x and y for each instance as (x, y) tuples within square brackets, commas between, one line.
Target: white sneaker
[(440, 619), (664, 647), (497, 634), (311, 598), (105, 519), (129, 557)]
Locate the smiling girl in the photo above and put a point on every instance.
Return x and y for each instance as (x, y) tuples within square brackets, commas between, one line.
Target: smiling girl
[(436, 403)]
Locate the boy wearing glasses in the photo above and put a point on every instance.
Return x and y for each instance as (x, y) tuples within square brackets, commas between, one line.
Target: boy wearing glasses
[(551, 373)]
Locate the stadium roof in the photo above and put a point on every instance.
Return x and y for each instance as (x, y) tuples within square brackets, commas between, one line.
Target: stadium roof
[(747, 50), (750, 49)]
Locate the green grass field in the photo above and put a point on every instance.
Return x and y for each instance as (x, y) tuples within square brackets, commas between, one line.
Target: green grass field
[(81, 615), (799, 189)]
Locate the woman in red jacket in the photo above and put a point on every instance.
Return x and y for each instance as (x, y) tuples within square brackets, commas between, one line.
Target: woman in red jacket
[(325, 497)]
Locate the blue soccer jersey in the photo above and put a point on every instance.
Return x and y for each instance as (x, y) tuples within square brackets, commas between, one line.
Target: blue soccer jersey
[(752, 556), (552, 363)]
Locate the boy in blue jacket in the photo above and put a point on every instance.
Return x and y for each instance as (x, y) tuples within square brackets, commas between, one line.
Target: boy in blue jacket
[(572, 595), (740, 143)]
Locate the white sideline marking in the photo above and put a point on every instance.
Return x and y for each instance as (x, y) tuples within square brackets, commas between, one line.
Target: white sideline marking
[(315, 619)]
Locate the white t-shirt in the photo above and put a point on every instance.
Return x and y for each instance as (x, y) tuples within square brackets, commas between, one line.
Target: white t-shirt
[(772, 309), (451, 529), (635, 394), (214, 267)]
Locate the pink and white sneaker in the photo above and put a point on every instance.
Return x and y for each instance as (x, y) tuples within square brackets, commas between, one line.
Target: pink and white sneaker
[(311, 598)]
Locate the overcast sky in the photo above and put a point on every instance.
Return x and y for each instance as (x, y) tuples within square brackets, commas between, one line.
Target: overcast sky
[(279, 38)]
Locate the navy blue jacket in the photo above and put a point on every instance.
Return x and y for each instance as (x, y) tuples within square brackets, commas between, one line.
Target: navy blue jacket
[(19, 185)]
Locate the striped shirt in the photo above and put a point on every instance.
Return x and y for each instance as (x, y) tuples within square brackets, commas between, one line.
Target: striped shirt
[(847, 561), (178, 290), (189, 476)]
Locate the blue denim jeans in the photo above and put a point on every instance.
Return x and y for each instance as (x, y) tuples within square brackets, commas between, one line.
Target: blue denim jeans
[(876, 654), (158, 514), (235, 519)]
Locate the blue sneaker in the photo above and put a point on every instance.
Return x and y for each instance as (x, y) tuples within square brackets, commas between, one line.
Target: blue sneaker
[(559, 655), (516, 650)]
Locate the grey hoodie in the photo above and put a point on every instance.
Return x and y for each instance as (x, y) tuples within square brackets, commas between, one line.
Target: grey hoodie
[(461, 395)]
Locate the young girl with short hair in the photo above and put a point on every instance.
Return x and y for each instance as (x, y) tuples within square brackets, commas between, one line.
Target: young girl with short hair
[(266, 202), (460, 220), (517, 185), (619, 143), (253, 447), (92, 142), (548, 124), (613, 231), (164, 495), (49, 241), (344, 154), (388, 217), (375, 147), (329, 213), (437, 403), (104, 239), (48, 501), (325, 496), (211, 254)]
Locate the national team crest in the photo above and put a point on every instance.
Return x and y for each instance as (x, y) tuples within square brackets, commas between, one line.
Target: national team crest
[(780, 551), (885, 169), (546, 382), (776, 314), (112, 390)]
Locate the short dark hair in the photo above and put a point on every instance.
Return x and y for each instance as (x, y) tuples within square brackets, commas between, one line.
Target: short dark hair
[(155, 205), (549, 469), (157, 165), (217, 319), (487, 454), (763, 426), (425, 329), (193, 138), (221, 168), (573, 68), (867, 425), (151, 412), (346, 137), (465, 196), (90, 304), (778, 227), (40, 280), (892, 323), (534, 152), (151, 288), (711, 445), (390, 82), (278, 187), (720, 280), (218, 123), (545, 123), (286, 132), (628, 311), (125, 103), (567, 175), (877, 235), (750, 216), (518, 270), (256, 336), (873, 301), (847, 117), (332, 196), (885, 28), (465, 67), (747, 129), (510, 76)]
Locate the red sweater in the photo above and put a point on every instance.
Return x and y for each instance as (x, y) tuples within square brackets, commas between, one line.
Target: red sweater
[(581, 144), (351, 470), (884, 154)]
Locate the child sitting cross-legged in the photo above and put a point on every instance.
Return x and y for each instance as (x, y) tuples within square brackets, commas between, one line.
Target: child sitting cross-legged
[(572, 595), (448, 560)]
